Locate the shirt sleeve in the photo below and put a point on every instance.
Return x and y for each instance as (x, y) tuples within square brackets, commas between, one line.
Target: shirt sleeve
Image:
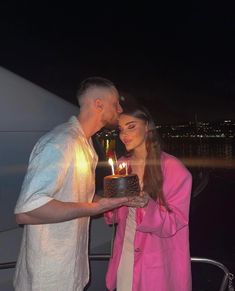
[(177, 191), (44, 177)]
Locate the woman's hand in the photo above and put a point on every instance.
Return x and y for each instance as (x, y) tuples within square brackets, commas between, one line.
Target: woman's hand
[(137, 201)]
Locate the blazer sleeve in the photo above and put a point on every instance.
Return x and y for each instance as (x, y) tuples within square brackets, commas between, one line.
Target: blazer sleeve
[(110, 217), (177, 191), (115, 215)]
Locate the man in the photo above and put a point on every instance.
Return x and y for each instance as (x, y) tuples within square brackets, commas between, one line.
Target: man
[(55, 202)]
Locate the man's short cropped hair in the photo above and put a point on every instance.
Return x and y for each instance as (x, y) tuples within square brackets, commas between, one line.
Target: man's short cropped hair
[(92, 82)]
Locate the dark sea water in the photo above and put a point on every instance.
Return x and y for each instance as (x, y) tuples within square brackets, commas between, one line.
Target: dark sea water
[(212, 218)]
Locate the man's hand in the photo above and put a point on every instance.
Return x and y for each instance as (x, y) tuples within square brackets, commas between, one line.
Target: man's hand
[(105, 204)]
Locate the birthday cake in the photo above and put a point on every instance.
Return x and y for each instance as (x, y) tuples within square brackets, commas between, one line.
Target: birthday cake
[(121, 185)]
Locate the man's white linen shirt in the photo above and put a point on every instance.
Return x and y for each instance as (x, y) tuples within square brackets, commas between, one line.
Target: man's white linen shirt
[(55, 256)]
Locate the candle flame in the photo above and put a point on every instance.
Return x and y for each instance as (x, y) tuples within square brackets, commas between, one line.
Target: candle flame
[(110, 161), (123, 165)]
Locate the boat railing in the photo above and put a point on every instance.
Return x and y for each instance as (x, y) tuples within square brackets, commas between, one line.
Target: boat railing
[(226, 284)]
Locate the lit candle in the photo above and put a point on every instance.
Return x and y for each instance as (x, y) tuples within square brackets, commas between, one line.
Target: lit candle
[(111, 164), (124, 165)]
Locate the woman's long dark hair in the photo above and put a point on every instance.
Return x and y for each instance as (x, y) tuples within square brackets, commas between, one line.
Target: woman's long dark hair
[(153, 177)]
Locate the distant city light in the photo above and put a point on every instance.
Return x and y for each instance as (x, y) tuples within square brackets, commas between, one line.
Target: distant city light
[(217, 129)]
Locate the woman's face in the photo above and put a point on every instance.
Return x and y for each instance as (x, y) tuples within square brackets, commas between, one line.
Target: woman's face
[(133, 131)]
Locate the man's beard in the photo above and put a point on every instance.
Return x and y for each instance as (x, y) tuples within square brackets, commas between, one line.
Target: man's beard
[(113, 124), (109, 125)]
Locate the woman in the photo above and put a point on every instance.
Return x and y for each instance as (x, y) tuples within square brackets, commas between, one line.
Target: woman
[(151, 248)]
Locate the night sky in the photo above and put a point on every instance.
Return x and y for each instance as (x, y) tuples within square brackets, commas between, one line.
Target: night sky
[(177, 59)]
